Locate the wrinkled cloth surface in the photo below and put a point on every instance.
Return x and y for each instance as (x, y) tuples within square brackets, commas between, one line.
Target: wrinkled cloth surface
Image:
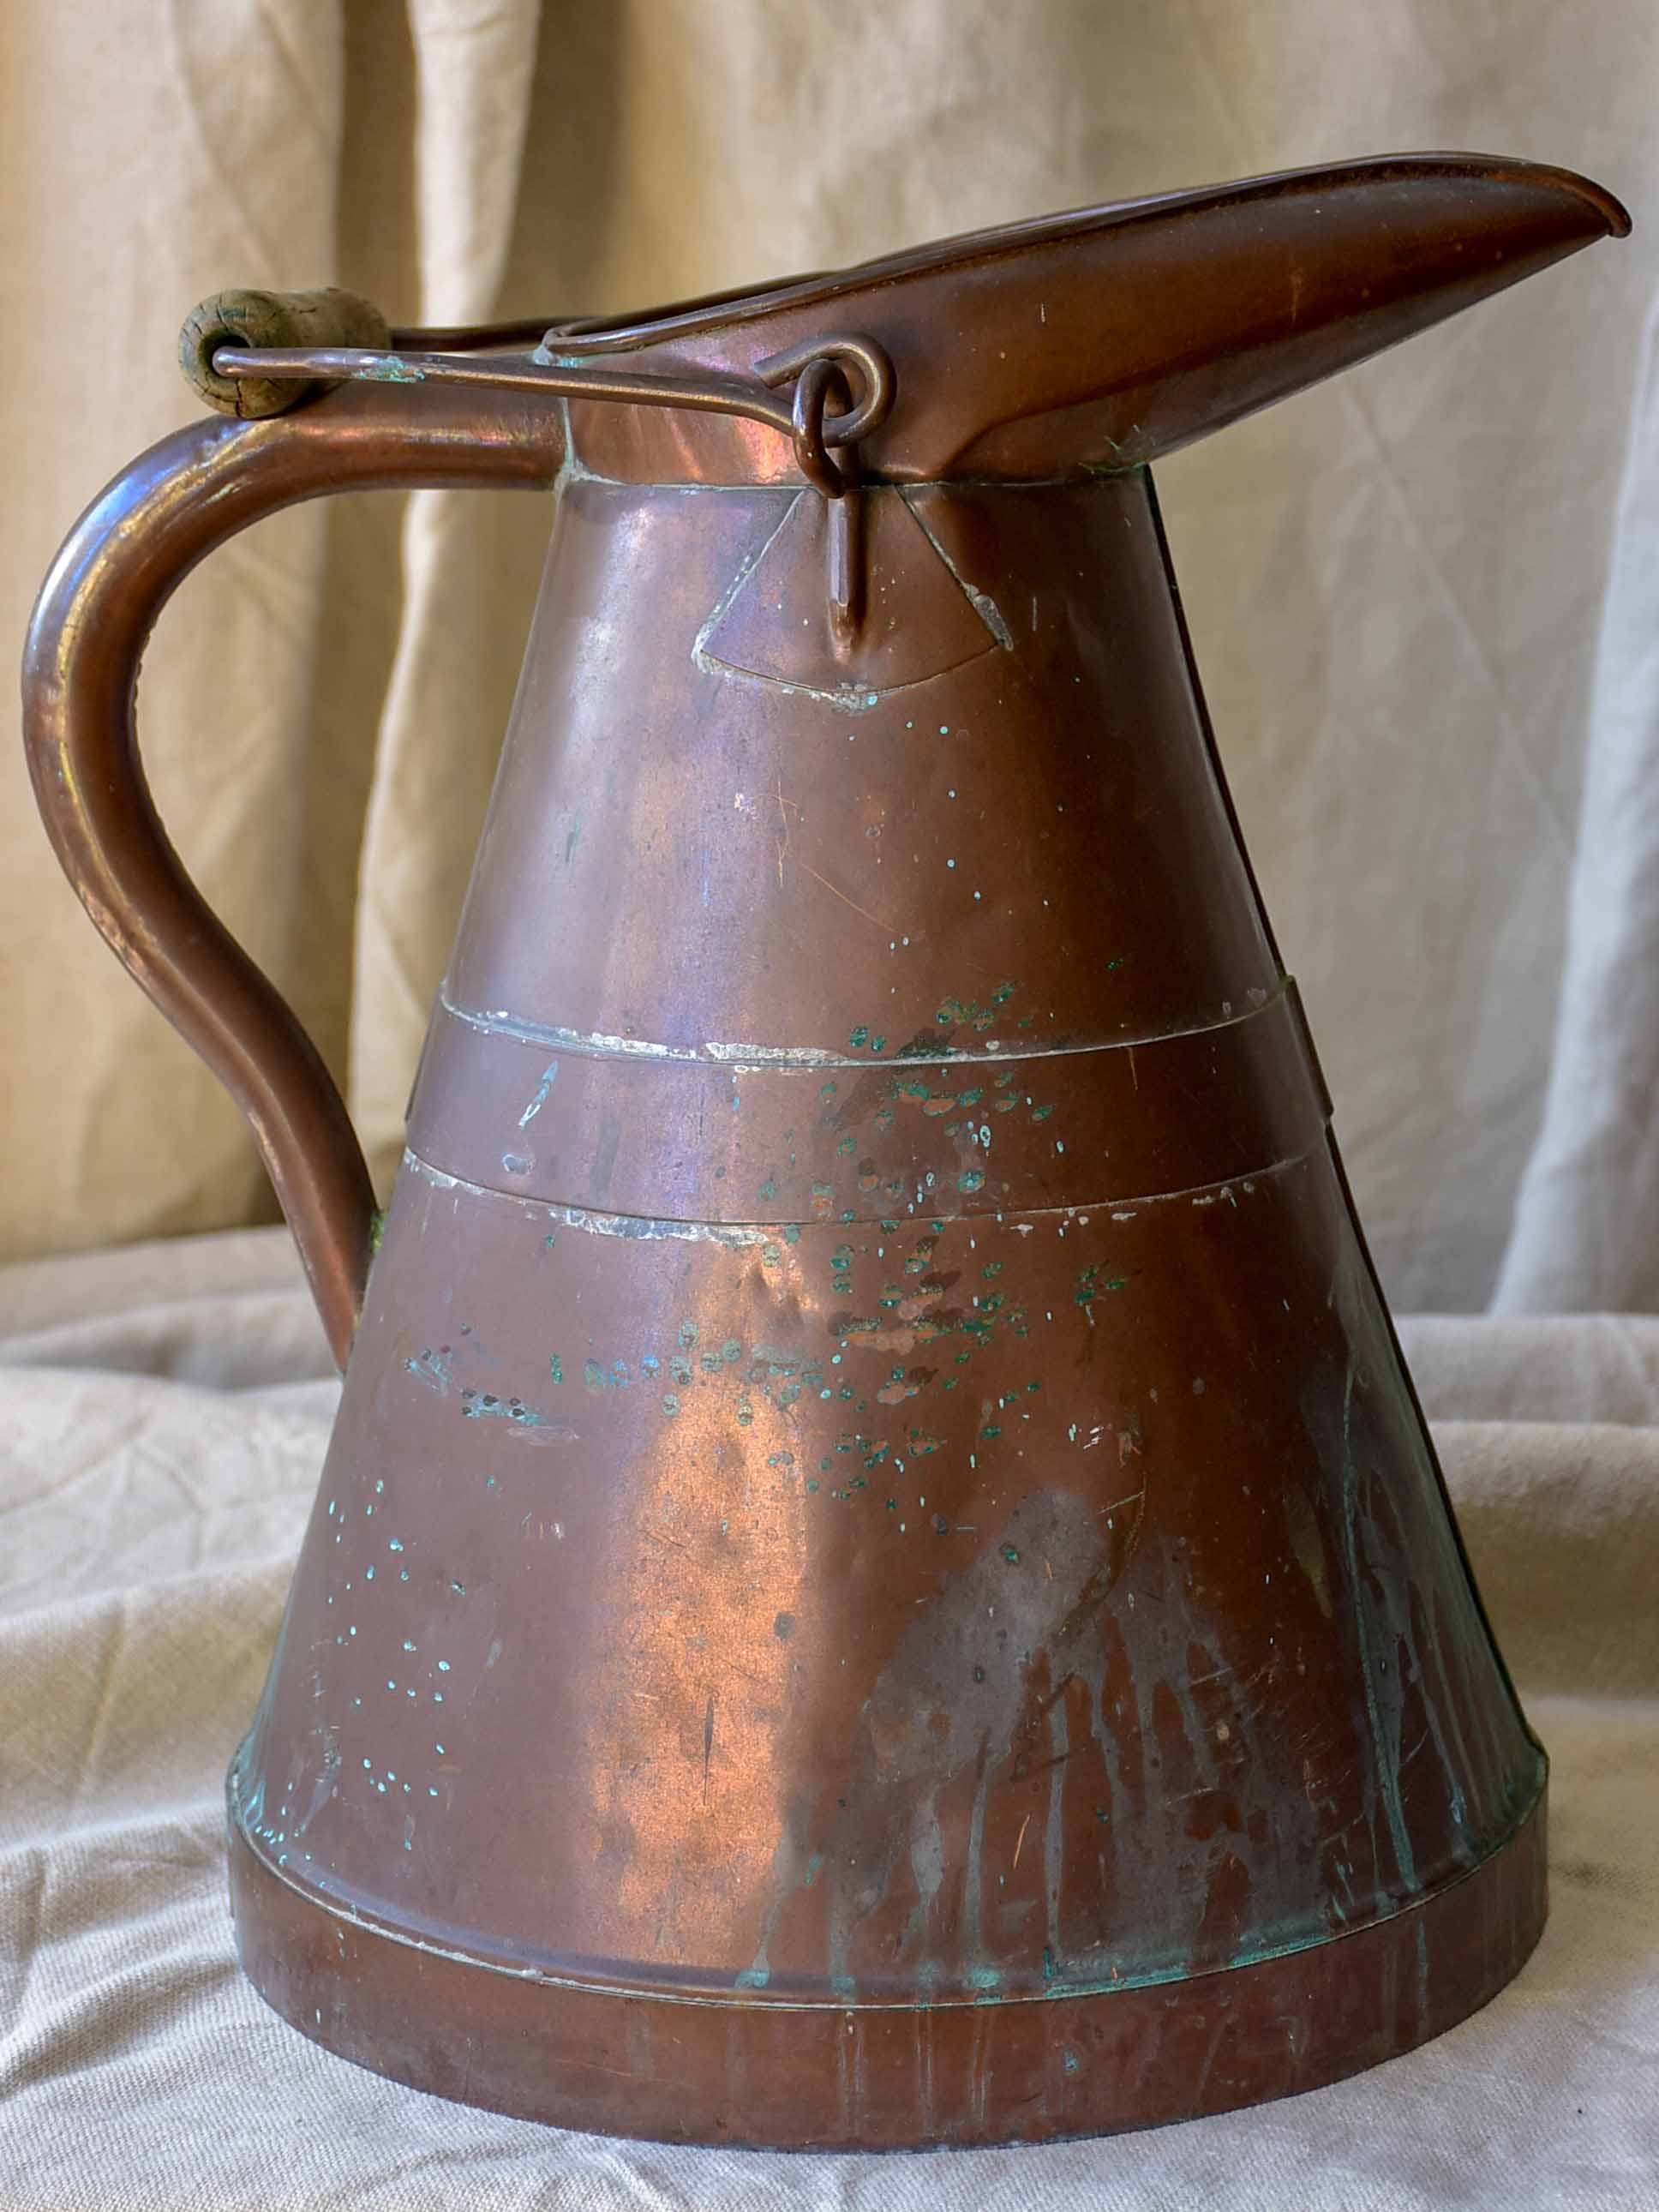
[(163, 1415), (1422, 605)]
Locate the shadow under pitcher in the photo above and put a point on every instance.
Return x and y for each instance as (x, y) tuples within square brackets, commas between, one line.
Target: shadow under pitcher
[(880, 1579)]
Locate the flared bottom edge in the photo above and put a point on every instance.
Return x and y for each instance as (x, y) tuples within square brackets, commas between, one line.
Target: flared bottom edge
[(889, 2077)]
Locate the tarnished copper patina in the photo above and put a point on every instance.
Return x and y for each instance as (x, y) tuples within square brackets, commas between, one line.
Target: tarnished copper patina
[(879, 1580)]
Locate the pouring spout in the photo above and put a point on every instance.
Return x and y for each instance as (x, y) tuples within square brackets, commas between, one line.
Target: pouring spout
[(1195, 312), (1107, 336)]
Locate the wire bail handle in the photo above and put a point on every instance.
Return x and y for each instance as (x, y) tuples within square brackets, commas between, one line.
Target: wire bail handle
[(826, 450), (844, 368)]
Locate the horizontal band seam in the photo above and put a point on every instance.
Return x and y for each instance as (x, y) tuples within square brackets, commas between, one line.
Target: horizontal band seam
[(645, 1226), (763, 1059)]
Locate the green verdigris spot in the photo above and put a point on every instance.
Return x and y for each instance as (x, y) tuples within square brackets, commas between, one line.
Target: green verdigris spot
[(1090, 1283)]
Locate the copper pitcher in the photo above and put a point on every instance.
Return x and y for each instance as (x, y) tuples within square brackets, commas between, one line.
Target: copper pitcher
[(879, 1578)]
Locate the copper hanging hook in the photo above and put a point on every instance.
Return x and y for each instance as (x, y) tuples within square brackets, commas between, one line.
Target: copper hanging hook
[(818, 381), (878, 379), (820, 364), (826, 450)]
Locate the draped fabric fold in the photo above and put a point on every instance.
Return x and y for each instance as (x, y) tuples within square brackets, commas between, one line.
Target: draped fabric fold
[(1586, 1227)]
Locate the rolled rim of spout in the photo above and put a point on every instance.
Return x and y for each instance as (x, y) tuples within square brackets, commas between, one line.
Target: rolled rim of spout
[(718, 311)]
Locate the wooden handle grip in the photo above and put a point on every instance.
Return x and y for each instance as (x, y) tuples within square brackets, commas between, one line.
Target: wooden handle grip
[(327, 317)]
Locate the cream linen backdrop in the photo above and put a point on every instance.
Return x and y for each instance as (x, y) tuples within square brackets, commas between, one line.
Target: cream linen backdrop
[(1397, 583)]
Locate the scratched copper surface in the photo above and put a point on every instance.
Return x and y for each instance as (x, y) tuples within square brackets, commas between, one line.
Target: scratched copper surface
[(1016, 1602)]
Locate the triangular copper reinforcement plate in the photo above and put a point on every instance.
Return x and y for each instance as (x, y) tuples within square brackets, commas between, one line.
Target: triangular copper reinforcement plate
[(919, 620)]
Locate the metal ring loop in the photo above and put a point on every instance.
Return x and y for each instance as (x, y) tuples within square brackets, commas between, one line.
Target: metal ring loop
[(829, 477), (874, 380)]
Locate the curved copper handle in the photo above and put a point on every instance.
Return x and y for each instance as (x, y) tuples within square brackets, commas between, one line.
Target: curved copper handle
[(115, 572)]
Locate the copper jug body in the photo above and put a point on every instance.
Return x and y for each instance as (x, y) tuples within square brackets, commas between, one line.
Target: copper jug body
[(880, 1579)]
